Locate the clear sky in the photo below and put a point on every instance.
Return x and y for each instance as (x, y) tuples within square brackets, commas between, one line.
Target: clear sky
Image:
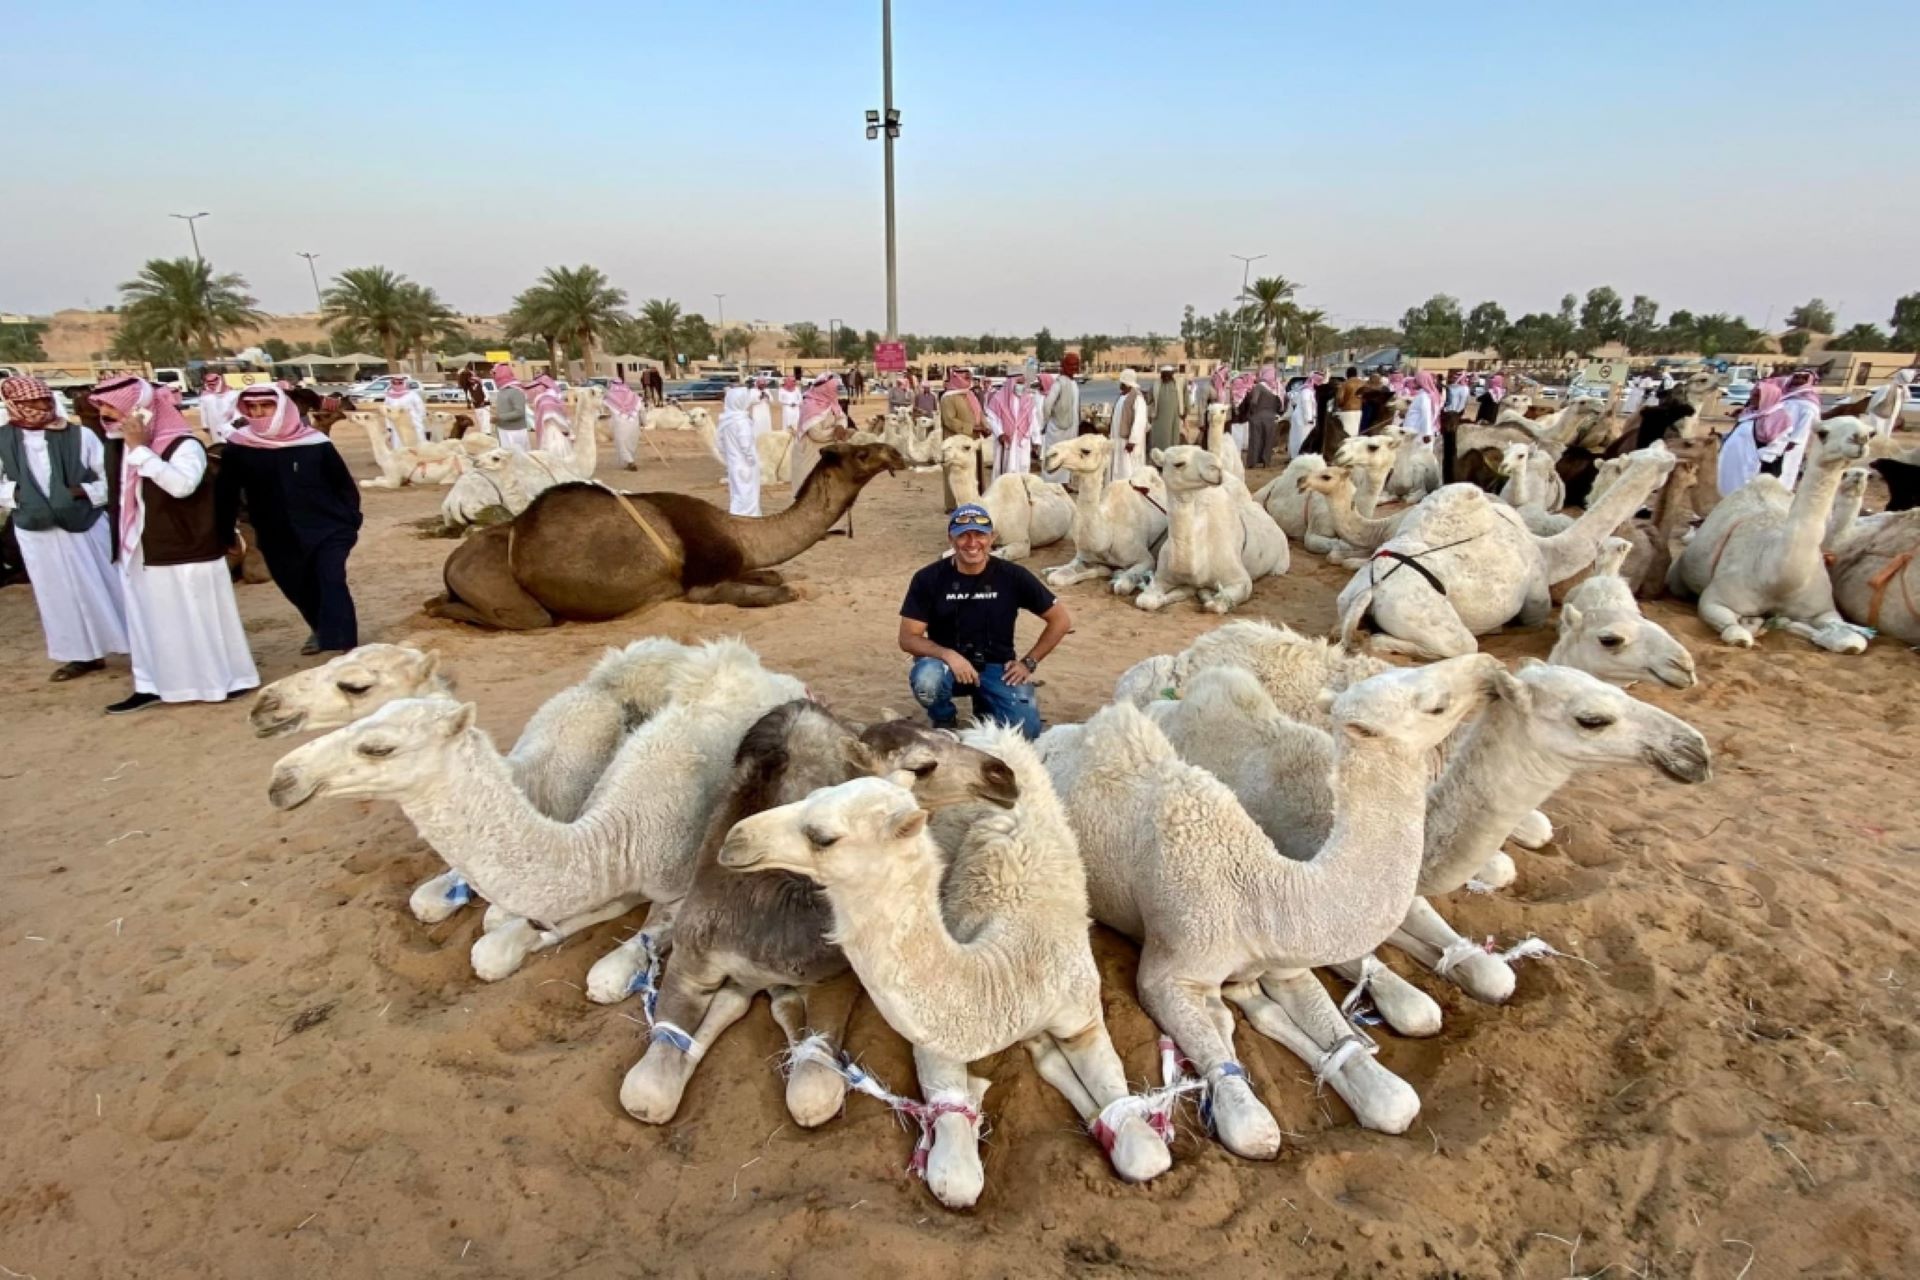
[(1077, 165)]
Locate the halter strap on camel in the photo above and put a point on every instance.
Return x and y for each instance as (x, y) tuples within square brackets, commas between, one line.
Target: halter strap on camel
[(1879, 583), (633, 513), (1413, 562)]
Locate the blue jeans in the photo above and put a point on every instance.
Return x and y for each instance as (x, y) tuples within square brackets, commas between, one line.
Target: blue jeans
[(993, 698)]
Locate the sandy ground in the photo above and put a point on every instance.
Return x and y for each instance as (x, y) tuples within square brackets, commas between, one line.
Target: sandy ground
[(230, 1051)]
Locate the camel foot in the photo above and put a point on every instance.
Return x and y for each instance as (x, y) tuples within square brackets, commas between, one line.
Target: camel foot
[(1737, 636), (1840, 638), (1379, 1099), (954, 1172), (501, 952), (744, 595), (436, 899), (816, 1092), (761, 578), (654, 1086), (1137, 1153), (494, 917), (627, 970), (1482, 975), (1498, 873), (1405, 1008), (1240, 1120), (1534, 831)]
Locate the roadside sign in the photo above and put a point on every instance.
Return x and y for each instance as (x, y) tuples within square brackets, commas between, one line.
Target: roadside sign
[(890, 357), (500, 357)]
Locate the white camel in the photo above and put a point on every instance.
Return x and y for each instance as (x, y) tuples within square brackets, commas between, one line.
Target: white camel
[(1028, 513), (1534, 488), (429, 463), (501, 483), (968, 952), (1220, 443), (1117, 526), (1603, 632), (634, 839), (1352, 537), (1757, 556), (1416, 468), (1876, 582), (1219, 540), (1174, 862), (1462, 564), (774, 448)]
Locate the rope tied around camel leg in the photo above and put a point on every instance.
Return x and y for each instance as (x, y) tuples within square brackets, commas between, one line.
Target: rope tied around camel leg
[(942, 1102), (1343, 1052), (646, 979), (458, 892), (1156, 1106), (817, 1047), (1358, 1007), (676, 1038)]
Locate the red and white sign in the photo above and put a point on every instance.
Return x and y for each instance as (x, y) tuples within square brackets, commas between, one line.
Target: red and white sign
[(890, 357)]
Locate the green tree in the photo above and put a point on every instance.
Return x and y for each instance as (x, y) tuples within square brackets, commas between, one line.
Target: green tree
[(138, 344), (1368, 337), (1091, 345), (1048, 349), (20, 342), (659, 330), (1534, 336), (1601, 320), (1906, 323), (1269, 298), (1485, 323), (426, 321), (1643, 324), (806, 341), (1813, 314), (277, 349), (1794, 341), (695, 336), (1189, 332), (577, 304), (372, 305), (1718, 332), (1861, 337), (1155, 346), (1434, 327), (182, 303)]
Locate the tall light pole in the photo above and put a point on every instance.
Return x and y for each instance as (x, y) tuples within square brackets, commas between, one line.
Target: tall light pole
[(833, 339), (190, 219), (318, 301), (1246, 265), (886, 122), (720, 330)]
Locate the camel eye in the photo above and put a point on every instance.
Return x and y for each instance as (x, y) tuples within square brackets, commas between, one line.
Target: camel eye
[(1592, 720), (820, 839), (1611, 641), (925, 770), (351, 689), (375, 750)]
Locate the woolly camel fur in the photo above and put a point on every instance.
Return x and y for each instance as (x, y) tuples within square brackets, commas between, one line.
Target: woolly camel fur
[(1534, 488), (1356, 536), (1219, 541), (1603, 632), (635, 838), (576, 554), (1027, 512), (498, 485), (1492, 568), (428, 463), (1174, 862), (967, 953), (1875, 581), (1220, 443), (1757, 557), (1416, 468), (1117, 526), (737, 935), (1542, 727)]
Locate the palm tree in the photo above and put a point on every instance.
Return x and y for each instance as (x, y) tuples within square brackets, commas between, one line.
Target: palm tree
[(660, 330), (1156, 346), (182, 303), (373, 304), (1268, 297), (423, 318), (804, 338), (576, 303)]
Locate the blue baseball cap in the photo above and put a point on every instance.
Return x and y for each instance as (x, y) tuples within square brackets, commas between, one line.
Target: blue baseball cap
[(969, 517)]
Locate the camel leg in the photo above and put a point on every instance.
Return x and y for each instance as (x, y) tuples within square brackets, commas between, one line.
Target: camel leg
[(1732, 628), (760, 577), (503, 949), (1534, 831), (1497, 872), (1135, 577), (623, 971), (692, 994), (1432, 941), (816, 1016), (954, 1173), (1403, 1006), (434, 900), (1095, 1081), (1291, 1007), (1074, 571), (1831, 632), (1538, 606), (744, 595), (1193, 1014), (1428, 630), (1153, 597)]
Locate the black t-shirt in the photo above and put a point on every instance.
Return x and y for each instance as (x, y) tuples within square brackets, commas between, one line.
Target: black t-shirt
[(973, 614)]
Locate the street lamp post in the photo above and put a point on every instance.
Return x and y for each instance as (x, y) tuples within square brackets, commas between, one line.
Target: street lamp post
[(318, 300), (886, 122), (1246, 265), (190, 219), (833, 339)]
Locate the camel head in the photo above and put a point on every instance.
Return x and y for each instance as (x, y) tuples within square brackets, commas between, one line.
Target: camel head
[(1581, 721), (491, 460), (698, 419), (957, 453), (936, 766), (1217, 416), (1853, 483), (1082, 455), (860, 462), (1839, 442), (1514, 458), (339, 692), (1415, 708), (401, 748), (1622, 647), (1331, 482), (1371, 453), (1188, 467), (859, 837)]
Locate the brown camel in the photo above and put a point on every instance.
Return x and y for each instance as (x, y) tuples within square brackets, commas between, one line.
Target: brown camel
[(578, 554)]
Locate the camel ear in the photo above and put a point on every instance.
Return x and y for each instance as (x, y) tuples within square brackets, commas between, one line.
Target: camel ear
[(429, 663), (1501, 684), (1569, 617), (462, 720), (911, 825)]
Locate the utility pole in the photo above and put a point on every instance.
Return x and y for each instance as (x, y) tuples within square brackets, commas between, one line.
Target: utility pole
[(886, 122), (720, 329), (190, 219), (833, 339), (315, 275), (1246, 265)]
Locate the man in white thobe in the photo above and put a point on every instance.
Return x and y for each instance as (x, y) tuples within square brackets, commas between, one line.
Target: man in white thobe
[(1060, 412), (1129, 429), (53, 478)]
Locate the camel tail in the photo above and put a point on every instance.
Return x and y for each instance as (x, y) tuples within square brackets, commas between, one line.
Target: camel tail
[(1353, 616)]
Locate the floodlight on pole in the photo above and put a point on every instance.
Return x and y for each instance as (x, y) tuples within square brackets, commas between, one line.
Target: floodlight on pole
[(1246, 265), (193, 231), (885, 124), (321, 302)]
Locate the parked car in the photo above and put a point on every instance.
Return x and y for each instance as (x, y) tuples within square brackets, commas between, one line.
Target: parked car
[(1596, 390), (377, 387), (698, 389), (1737, 394)]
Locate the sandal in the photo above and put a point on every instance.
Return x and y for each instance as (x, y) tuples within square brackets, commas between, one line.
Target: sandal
[(74, 670)]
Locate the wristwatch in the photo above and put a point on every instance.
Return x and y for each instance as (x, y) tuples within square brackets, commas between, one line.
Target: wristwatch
[(1031, 664)]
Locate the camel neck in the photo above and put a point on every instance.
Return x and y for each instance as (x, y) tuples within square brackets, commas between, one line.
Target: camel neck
[(1366, 491), (964, 480), (1568, 552), (1495, 778), (770, 540), (1353, 526), (1807, 518)]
